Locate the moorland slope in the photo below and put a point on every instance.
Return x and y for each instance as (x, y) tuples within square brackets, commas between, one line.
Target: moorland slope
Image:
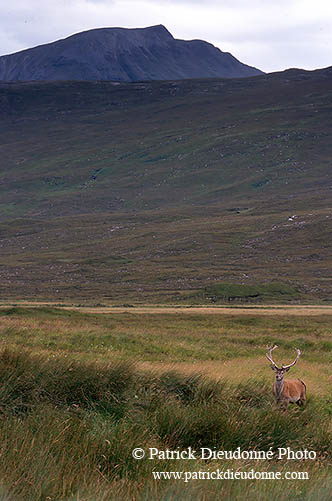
[(153, 191)]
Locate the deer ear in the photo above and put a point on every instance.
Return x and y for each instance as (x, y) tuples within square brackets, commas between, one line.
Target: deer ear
[(273, 367), (286, 370)]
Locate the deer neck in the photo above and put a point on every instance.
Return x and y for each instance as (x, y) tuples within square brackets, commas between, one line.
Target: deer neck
[(279, 386)]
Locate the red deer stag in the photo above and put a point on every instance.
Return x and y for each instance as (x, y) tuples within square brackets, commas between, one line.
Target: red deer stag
[(289, 390)]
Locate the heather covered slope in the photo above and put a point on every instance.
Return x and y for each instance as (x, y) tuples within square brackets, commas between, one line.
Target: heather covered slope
[(154, 191), (122, 54)]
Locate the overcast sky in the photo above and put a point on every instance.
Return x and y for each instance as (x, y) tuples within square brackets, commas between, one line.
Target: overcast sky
[(269, 34)]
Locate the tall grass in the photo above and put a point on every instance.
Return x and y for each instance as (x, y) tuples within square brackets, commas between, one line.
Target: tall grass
[(68, 430)]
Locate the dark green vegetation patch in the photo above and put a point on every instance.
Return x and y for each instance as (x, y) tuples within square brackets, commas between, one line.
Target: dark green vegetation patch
[(274, 292)]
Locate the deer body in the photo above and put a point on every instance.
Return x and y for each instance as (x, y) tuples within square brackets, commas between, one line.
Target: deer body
[(289, 390)]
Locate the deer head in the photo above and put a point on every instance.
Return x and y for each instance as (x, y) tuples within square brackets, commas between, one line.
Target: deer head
[(280, 371)]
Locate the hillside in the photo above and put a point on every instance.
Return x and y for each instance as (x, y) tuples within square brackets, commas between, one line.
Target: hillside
[(155, 191), (121, 54)]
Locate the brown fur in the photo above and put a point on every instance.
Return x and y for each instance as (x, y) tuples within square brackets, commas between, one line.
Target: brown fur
[(293, 391)]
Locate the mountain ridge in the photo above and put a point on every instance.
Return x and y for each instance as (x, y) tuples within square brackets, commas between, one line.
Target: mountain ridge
[(122, 54)]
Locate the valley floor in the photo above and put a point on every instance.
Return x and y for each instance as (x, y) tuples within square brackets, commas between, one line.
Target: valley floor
[(267, 309)]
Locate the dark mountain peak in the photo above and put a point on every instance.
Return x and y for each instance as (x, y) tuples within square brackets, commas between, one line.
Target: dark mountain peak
[(122, 54), (157, 30), (117, 37)]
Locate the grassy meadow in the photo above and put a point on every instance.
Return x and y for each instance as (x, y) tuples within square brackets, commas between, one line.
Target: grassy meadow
[(79, 391)]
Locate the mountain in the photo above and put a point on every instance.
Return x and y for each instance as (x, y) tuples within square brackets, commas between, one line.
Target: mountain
[(125, 55), (155, 191)]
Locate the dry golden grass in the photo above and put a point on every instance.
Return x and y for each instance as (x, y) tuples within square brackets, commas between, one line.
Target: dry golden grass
[(188, 340), (296, 310), (316, 376)]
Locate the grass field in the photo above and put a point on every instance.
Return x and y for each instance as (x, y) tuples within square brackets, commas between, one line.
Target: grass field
[(80, 390)]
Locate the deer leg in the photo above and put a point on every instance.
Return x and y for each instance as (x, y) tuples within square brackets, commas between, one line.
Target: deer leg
[(285, 405), (281, 404)]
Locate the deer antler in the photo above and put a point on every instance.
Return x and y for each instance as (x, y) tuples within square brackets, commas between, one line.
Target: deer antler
[(297, 357), (269, 355)]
